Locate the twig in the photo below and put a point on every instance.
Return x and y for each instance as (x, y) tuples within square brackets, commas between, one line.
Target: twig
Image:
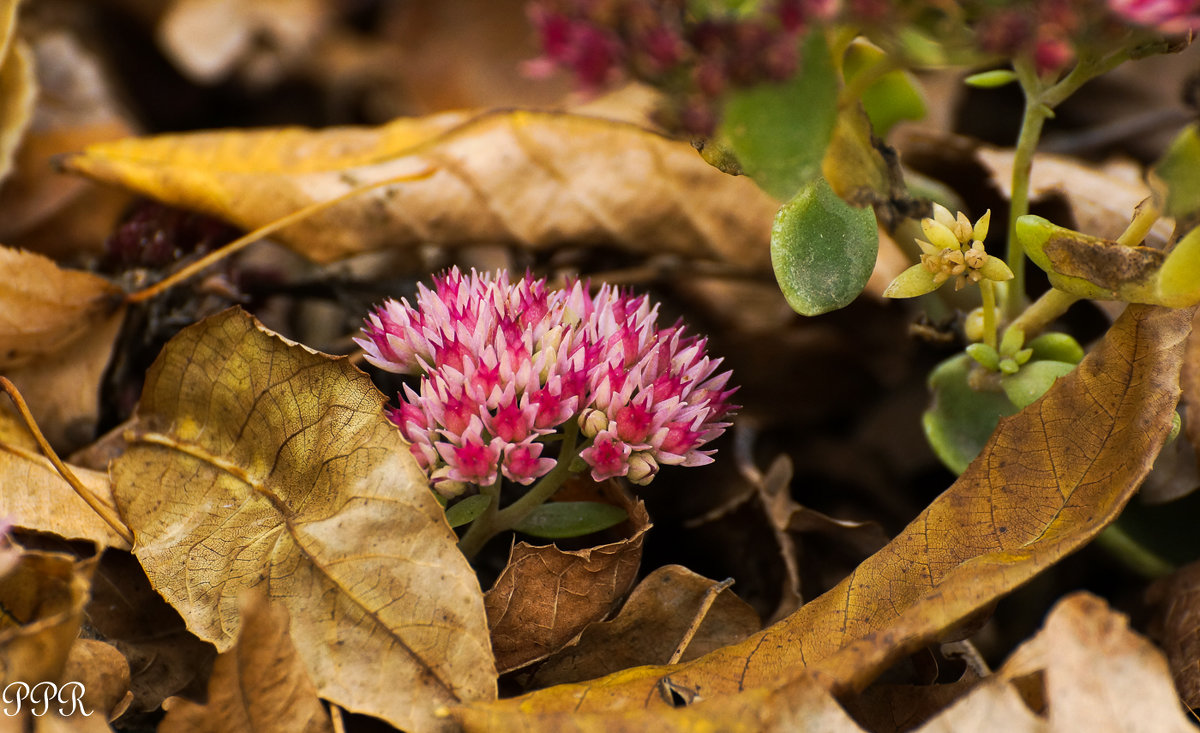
[(105, 511), (246, 240), (709, 597)]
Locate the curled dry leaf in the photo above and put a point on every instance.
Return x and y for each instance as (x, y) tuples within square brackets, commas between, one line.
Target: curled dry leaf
[(257, 462), (258, 685), (545, 596), (37, 499), (532, 179), (1085, 670), (164, 657), (104, 674), (43, 599), (1047, 482), (1189, 382), (650, 626)]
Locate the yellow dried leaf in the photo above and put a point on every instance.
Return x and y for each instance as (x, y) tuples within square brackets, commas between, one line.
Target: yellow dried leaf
[(257, 462), (1047, 482), (531, 179), (259, 685), (36, 498), (18, 90)]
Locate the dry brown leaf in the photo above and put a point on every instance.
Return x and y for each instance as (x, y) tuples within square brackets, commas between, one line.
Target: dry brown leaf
[(1101, 200), (545, 596), (18, 90), (1086, 669), (649, 627), (1189, 383), (41, 209), (1178, 597), (1049, 479), (164, 658), (532, 179), (63, 389), (257, 686), (44, 308), (104, 674), (43, 599), (37, 499), (256, 461)]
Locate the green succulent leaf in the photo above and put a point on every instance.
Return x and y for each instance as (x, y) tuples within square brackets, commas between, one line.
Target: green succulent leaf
[(991, 79), (822, 249), (563, 519), (779, 132), (1056, 347), (893, 97), (961, 419), (1032, 381), (1179, 168), (467, 510), (1092, 267)]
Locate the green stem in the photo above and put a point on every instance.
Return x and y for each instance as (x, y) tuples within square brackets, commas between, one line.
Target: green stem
[(988, 291), (480, 532), (495, 520), (1132, 554), (1043, 311), (1040, 102), (1035, 116), (511, 515)]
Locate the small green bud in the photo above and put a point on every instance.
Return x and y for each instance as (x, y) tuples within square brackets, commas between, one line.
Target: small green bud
[(1022, 356), (1008, 365), (985, 355), (991, 79), (1012, 341)]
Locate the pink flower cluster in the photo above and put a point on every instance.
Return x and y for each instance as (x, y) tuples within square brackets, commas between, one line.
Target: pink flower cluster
[(504, 364), (1168, 16)]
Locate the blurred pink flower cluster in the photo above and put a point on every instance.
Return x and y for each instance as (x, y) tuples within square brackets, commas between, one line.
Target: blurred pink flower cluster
[(1168, 16), (504, 364)]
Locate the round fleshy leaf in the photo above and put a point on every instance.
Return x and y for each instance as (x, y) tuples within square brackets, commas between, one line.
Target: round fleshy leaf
[(1056, 347), (779, 132), (1032, 381), (467, 510), (960, 420), (1179, 168), (562, 519), (823, 249)]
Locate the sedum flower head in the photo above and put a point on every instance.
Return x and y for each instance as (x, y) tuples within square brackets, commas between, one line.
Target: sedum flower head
[(504, 364), (954, 250)]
